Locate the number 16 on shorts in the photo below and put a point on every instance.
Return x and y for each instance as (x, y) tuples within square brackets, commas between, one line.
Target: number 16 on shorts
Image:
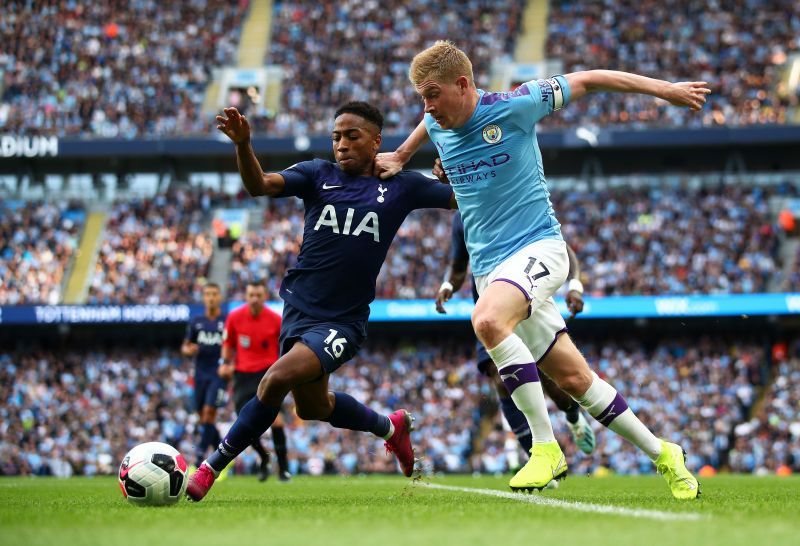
[(335, 344)]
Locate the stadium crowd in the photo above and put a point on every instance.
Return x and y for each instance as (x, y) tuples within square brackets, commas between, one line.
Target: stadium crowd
[(739, 46), (770, 441), (671, 240), (140, 69), (78, 412), (112, 69), (37, 242), (154, 250), (356, 50)]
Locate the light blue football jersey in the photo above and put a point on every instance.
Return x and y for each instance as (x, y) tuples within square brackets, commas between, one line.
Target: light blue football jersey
[(495, 167)]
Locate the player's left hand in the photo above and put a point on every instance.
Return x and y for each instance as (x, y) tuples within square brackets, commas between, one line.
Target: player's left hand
[(387, 164), (688, 94), (438, 171), (443, 296), (574, 303)]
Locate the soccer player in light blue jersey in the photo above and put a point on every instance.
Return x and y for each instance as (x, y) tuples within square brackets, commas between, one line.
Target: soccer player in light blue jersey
[(488, 148)]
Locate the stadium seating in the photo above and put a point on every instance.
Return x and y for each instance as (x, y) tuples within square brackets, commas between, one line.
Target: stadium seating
[(99, 69), (356, 50), (737, 46), (37, 242), (154, 251), (771, 439)]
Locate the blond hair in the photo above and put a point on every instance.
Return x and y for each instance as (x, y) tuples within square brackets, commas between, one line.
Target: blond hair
[(442, 62)]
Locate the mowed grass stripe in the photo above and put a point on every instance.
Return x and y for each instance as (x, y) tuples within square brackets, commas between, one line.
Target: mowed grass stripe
[(537, 498)]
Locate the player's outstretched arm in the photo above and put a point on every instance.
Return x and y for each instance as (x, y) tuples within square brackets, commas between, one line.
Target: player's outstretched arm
[(236, 127), (687, 94), (388, 164)]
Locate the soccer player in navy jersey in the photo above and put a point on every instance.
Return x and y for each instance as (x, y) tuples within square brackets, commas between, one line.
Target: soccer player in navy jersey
[(351, 218), (204, 342), (488, 147), (582, 432)]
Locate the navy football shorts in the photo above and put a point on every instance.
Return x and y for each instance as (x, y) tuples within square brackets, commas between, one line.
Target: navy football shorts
[(334, 343), (210, 391), (482, 358)]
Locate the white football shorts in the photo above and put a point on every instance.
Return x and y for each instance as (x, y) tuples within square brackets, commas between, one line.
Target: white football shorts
[(538, 270)]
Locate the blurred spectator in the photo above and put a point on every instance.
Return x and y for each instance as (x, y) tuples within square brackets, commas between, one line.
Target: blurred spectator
[(738, 46), (154, 251), (37, 243), (112, 69)]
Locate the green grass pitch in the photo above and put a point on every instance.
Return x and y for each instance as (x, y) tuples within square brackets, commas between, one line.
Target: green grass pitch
[(391, 510)]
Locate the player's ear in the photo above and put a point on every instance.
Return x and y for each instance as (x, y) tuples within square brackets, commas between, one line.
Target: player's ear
[(376, 143), (463, 84)]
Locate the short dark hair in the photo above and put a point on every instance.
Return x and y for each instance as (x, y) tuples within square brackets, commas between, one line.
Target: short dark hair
[(257, 283), (362, 109), (211, 285)]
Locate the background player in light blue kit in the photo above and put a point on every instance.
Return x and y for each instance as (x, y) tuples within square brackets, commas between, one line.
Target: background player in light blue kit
[(487, 144)]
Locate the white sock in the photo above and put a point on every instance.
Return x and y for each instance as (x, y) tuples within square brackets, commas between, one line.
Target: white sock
[(605, 404), (518, 371)]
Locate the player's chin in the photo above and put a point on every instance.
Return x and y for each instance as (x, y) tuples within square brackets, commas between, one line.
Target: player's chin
[(350, 166)]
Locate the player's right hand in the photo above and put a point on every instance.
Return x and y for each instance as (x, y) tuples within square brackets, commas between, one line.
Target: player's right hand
[(689, 94), (387, 164), (438, 171), (190, 349), (235, 126), (225, 371), (443, 296)]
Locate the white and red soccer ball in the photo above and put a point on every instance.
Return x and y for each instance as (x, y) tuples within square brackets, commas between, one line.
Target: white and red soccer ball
[(153, 474)]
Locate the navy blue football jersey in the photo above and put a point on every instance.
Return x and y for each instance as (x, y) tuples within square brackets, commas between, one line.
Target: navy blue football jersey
[(207, 333), (350, 221), (458, 248)]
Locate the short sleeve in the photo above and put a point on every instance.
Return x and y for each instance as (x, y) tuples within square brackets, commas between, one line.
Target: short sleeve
[(458, 246), (299, 179), (428, 193), (536, 99), (191, 332), (229, 336)]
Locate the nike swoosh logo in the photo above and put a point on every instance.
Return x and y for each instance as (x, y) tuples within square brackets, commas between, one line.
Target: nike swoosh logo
[(327, 187), (124, 473)]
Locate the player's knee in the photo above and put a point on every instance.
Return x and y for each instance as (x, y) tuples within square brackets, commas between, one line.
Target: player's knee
[(277, 382), (489, 329)]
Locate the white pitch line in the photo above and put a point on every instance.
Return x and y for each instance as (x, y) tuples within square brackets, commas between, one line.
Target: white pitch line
[(573, 505)]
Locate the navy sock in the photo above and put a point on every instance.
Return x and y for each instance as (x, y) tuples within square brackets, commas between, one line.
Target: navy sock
[(351, 414), (279, 441), (517, 422), (254, 419), (573, 412)]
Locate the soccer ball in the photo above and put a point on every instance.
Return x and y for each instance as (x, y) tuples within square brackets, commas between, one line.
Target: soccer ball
[(153, 474)]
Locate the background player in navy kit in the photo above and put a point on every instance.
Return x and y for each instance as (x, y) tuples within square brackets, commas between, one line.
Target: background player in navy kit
[(204, 342), (351, 219), (581, 431)]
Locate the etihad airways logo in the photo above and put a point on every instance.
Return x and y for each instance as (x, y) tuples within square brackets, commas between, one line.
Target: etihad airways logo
[(469, 167)]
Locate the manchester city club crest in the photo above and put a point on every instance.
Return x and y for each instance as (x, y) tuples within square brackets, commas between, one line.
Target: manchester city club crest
[(492, 134)]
